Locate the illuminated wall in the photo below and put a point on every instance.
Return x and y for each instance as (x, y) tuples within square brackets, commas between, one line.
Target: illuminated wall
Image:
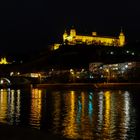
[(73, 39)]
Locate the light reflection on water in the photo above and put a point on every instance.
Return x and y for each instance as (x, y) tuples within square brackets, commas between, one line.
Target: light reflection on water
[(36, 104), (74, 114), (10, 106)]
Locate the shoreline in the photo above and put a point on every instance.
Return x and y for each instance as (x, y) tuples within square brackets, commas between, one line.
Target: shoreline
[(76, 85), (84, 85)]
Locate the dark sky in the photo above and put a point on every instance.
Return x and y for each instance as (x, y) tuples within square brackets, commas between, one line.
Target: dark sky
[(31, 24)]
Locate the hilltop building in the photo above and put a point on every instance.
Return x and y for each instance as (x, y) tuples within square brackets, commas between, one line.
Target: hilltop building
[(94, 39), (72, 39)]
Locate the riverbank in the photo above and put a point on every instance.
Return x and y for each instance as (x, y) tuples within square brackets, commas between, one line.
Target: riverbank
[(8, 132), (86, 85), (77, 85)]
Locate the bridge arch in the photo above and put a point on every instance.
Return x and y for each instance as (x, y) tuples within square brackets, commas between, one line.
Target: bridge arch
[(5, 81)]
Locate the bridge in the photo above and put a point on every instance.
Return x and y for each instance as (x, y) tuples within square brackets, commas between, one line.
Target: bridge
[(13, 81), (5, 82)]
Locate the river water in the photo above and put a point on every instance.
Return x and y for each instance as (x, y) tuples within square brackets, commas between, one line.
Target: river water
[(74, 113)]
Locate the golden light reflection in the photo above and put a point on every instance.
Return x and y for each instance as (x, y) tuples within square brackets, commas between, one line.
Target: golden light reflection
[(70, 120), (12, 106), (18, 105), (116, 115), (83, 102), (107, 113), (3, 105), (36, 104), (57, 112)]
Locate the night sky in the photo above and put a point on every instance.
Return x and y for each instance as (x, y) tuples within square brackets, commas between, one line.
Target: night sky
[(30, 25)]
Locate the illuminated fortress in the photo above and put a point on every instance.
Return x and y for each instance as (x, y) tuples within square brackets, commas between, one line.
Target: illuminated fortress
[(72, 39)]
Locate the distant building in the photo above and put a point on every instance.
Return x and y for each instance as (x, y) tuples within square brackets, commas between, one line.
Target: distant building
[(126, 70), (3, 61), (55, 46), (72, 39)]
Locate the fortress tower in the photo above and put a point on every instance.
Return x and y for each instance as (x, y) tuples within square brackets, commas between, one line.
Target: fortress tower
[(65, 35), (121, 39)]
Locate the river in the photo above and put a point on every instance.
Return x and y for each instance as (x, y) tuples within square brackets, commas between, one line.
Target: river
[(74, 113)]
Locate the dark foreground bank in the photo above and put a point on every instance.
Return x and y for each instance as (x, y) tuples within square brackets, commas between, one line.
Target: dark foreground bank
[(8, 132)]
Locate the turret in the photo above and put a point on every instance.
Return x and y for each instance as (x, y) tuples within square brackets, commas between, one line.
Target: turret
[(121, 39), (65, 36), (72, 32)]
